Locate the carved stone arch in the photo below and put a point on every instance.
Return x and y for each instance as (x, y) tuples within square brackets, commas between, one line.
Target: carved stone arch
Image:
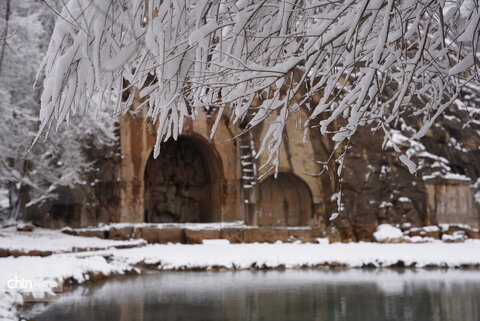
[(284, 201), (184, 184)]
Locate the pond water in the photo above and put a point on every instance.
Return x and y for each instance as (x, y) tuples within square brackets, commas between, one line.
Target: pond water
[(347, 295)]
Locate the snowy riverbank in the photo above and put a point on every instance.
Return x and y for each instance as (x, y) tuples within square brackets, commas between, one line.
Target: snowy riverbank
[(215, 254), (43, 242)]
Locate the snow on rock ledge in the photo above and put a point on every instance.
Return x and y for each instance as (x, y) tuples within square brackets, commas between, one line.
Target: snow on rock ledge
[(387, 233)]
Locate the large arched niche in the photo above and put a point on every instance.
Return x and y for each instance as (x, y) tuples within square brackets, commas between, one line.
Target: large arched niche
[(283, 201), (184, 183)]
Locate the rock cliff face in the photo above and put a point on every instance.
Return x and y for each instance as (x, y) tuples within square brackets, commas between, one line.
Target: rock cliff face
[(93, 202), (375, 186), (378, 188)]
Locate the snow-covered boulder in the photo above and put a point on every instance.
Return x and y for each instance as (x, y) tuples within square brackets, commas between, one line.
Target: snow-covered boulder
[(387, 233)]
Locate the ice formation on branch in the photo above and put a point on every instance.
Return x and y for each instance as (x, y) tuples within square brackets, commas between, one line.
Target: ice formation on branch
[(369, 61)]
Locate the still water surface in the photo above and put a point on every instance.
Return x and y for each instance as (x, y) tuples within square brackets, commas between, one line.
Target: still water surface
[(347, 295)]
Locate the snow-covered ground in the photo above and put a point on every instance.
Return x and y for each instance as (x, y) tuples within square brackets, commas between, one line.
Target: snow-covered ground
[(79, 266), (288, 255), (55, 241)]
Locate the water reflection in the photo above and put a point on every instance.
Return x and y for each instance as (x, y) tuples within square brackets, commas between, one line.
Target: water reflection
[(386, 295)]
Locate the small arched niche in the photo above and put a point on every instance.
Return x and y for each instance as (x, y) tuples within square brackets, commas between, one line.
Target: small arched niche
[(284, 201), (184, 183)]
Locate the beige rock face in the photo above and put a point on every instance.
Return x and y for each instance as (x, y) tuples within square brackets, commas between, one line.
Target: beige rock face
[(265, 235), (171, 235), (197, 236), (92, 233), (451, 202), (196, 179), (193, 179), (233, 235), (284, 201), (179, 185), (296, 197), (160, 235), (124, 233)]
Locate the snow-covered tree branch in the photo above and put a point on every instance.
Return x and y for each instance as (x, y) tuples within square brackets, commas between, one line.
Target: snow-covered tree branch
[(344, 63)]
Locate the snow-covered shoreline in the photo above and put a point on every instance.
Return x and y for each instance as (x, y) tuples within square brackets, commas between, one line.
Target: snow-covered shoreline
[(288, 255), (66, 265), (79, 267)]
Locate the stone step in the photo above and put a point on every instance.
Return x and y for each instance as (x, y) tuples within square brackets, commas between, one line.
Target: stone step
[(245, 234)]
